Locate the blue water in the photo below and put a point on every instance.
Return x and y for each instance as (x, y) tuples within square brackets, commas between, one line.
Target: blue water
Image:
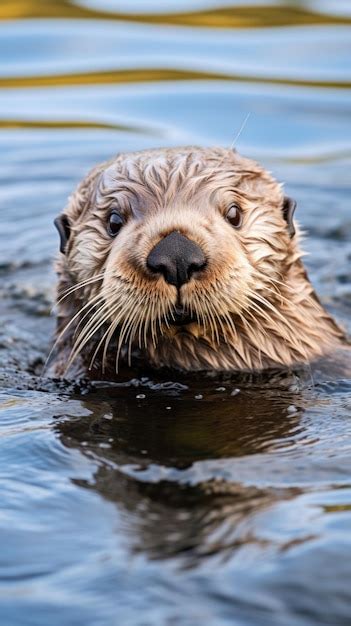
[(188, 505)]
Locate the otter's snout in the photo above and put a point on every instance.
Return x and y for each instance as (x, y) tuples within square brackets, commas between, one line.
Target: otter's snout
[(177, 258)]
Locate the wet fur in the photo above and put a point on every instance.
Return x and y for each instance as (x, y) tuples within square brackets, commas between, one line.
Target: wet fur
[(254, 305)]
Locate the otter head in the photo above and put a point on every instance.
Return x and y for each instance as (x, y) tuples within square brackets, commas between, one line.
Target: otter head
[(175, 252)]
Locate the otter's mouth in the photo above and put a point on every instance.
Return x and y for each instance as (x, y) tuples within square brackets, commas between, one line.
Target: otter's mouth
[(181, 317)]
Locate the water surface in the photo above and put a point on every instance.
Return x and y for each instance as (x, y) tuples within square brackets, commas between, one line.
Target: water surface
[(179, 501)]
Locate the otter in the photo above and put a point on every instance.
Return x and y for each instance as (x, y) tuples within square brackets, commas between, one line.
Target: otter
[(185, 258)]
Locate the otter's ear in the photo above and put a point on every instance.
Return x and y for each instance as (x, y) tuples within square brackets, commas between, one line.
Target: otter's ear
[(289, 206), (62, 225)]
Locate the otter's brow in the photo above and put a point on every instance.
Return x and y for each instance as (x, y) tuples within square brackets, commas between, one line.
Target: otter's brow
[(233, 195)]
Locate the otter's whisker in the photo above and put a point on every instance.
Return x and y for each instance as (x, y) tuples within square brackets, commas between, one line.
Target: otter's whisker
[(123, 334), (70, 290), (133, 329), (90, 323), (125, 308), (130, 331), (153, 323), (214, 329), (298, 345), (108, 336), (146, 324), (227, 316), (199, 312), (216, 317), (91, 328), (256, 320), (240, 131), (164, 315), (278, 295), (112, 326), (87, 333), (265, 316), (83, 283), (282, 328), (275, 311), (224, 320), (141, 326), (107, 292), (91, 303)]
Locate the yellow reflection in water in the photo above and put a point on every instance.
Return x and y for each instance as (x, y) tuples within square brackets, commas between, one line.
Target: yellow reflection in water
[(225, 17), (153, 74), (15, 123)]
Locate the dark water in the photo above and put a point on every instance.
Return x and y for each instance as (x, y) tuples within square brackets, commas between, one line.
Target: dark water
[(224, 502)]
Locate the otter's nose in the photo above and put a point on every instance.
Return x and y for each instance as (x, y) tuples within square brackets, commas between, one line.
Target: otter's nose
[(177, 258)]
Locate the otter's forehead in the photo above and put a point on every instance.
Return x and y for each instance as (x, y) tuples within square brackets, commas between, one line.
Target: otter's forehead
[(168, 174)]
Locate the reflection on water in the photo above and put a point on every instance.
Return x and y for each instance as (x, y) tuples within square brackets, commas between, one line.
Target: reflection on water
[(148, 445), (239, 15), (190, 501), (187, 508)]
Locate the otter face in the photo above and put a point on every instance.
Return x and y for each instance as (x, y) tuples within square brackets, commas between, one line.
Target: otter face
[(177, 245)]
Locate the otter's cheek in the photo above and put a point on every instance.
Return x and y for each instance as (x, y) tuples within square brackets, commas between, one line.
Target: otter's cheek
[(88, 255)]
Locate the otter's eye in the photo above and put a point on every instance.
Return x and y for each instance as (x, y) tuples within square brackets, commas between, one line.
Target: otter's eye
[(115, 224), (235, 216)]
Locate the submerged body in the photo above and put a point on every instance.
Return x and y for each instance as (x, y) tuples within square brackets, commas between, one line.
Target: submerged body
[(184, 258)]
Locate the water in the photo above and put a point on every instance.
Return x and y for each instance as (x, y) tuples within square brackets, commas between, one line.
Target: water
[(185, 501)]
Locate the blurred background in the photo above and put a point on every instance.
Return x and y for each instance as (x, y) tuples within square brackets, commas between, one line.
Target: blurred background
[(174, 511)]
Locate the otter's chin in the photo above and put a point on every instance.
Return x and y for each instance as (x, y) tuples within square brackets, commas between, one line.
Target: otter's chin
[(181, 317)]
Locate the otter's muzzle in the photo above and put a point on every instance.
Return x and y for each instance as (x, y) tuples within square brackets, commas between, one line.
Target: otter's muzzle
[(177, 258)]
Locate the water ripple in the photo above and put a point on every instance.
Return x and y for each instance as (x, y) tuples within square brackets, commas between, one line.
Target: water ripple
[(171, 501)]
